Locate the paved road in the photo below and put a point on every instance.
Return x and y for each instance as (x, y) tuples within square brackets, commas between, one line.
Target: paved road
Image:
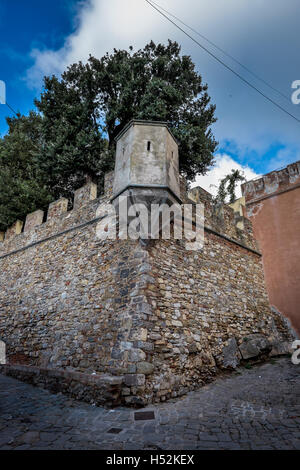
[(252, 409)]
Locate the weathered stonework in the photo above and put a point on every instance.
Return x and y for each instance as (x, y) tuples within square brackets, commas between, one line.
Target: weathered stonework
[(85, 194), (146, 156), (96, 389), (33, 220), (14, 230), (152, 318), (57, 208)]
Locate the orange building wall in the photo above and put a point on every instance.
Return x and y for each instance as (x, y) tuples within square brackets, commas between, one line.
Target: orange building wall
[(273, 205)]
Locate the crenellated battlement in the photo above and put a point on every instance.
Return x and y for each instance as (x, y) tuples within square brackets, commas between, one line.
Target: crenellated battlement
[(223, 219), (146, 167), (58, 218), (272, 184)]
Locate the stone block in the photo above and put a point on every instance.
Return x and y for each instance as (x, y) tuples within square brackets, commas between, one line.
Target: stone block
[(33, 220), (131, 369), (136, 355), (231, 354), (134, 380), (135, 401), (144, 307), (108, 183), (14, 230), (140, 334), (254, 345), (57, 208), (145, 368), (280, 348), (84, 195), (111, 380)]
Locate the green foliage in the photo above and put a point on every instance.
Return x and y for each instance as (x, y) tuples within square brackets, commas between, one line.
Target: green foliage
[(102, 96), (72, 140), (22, 186), (74, 150), (227, 186)]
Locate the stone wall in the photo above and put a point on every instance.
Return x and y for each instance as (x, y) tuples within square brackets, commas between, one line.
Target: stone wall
[(163, 319), (63, 292), (100, 390), (206, 308)]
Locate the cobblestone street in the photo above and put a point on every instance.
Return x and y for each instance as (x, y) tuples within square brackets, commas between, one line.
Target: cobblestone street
[(257, 408)]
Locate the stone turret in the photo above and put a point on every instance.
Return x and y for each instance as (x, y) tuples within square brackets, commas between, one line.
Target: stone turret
[(147, 163)]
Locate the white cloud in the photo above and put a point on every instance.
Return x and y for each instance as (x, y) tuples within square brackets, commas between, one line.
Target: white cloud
[(101, 27), (224, 165), (262, 36)]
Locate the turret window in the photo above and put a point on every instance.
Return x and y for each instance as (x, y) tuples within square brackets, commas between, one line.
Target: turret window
[(148, 145)]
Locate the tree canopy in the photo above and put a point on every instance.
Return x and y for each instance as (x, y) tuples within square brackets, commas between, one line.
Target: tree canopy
[(23, 187), (71, 139)]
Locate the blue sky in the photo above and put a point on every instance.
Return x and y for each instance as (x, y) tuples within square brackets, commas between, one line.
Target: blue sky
[(41, 38), (23, 27)]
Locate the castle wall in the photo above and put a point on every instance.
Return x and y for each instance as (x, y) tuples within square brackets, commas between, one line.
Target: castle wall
[(159, 318), (200, 303), (273, 205), (55, 298)]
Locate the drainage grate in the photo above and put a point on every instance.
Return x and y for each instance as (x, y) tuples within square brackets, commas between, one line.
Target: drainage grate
[(144, 415), (114, 431)]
